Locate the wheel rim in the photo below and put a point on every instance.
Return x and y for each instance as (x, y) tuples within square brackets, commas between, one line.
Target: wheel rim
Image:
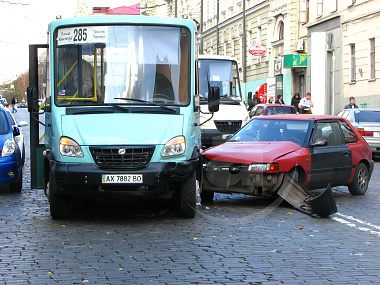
[(362, 179)]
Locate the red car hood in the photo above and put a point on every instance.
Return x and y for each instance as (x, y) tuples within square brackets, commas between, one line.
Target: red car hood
[(247, 152)]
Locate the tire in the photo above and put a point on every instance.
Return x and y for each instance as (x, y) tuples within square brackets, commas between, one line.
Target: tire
[(23, 155), (188, 199), (298, 175), (59, 206), (359, 184), (207, 196), (16, 187)]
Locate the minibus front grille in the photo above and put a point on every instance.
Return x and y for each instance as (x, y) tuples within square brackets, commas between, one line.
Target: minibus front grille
[(228, 126), (122, 156)]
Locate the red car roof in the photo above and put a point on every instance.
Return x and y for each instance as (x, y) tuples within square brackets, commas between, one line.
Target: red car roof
[(303, 117)]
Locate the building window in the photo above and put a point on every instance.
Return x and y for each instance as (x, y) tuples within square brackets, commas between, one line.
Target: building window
[(281, 30), (258, 32), (353, 62), (320, 8), (303, 11), (241, 51), (372, 58)]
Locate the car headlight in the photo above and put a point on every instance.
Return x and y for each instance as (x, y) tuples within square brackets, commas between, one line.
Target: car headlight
[(69, 147), (175, 146), (9, 147), (264, 167)]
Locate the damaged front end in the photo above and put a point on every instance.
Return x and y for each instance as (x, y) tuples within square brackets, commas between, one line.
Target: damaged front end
[(322, 205), (225, 177)]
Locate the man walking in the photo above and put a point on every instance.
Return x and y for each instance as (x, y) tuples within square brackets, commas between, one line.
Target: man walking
[(306, 104), (352, 104), (14, 105)]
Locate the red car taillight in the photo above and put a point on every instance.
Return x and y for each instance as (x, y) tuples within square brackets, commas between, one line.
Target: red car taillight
[(365, 133)]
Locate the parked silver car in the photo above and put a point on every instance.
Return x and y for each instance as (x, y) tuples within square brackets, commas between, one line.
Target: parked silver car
[(367, 122)]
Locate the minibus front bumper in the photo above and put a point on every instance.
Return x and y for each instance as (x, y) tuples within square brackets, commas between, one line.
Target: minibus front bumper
[(153, 180)]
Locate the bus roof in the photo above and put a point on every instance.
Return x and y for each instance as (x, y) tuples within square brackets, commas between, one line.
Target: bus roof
[(122, 19), (218, 57)]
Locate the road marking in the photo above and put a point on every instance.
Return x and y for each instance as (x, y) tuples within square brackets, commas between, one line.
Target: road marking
[(349, 221)]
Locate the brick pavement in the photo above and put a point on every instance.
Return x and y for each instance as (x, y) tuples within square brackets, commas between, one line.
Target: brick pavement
[(236, 240)]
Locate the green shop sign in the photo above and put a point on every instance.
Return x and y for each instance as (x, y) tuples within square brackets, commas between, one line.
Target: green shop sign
[(295, 60)]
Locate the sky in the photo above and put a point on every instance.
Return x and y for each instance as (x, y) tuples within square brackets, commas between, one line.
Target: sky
[(25, 22)]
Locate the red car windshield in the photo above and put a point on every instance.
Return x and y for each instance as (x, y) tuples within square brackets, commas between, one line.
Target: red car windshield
[(273, 130)]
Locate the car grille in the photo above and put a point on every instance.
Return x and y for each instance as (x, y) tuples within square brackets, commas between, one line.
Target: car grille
[(122, 157), (228, 126)]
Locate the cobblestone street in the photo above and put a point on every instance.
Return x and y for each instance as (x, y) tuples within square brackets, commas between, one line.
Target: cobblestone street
[(236, 240)]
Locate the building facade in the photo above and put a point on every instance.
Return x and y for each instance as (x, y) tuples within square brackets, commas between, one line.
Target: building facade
[(326, 47), (324, 74), (343, 41), (230, 28), (360, 27), (242, 28), (288, 57)]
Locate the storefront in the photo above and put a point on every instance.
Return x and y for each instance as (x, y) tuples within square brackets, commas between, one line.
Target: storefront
[(298, 64)]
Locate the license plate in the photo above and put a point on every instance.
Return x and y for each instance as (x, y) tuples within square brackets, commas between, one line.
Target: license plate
[(376, 134), (122, 178)]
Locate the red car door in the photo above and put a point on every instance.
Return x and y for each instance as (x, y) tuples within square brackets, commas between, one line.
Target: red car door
[(330, 163)]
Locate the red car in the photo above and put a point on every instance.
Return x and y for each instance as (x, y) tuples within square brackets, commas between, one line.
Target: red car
[(271, 109), (316, 150)]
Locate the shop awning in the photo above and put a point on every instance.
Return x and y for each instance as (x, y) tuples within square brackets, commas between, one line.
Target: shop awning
[(295, 60)]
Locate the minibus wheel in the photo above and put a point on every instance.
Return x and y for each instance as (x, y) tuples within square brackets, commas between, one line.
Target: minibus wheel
[(188, 195)]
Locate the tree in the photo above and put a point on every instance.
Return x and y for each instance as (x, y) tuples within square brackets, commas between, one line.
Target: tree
[(22, 82)]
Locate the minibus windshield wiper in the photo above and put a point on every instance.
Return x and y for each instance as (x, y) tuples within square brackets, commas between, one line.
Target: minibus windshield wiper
[(146, 103)]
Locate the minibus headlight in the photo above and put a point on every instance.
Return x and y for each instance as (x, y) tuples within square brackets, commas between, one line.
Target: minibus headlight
[(69, 147), (175, 146)]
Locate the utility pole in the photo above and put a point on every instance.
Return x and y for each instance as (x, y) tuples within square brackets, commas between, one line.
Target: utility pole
[(217, 27), (244, 49)]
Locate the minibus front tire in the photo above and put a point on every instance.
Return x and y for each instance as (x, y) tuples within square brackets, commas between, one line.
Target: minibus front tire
[(59, 206), (188, 195)]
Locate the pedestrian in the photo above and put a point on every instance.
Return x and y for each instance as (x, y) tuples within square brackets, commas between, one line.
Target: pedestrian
[(306, 104), (270, 100), (14, 105), (254, 101), (279, 99), (296, 100), (352, 104)]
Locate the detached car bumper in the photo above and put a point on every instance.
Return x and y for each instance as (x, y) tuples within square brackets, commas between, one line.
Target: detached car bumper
[(77, 180)]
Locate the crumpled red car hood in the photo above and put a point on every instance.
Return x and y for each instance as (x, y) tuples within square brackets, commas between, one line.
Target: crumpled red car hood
[(247, 152)]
